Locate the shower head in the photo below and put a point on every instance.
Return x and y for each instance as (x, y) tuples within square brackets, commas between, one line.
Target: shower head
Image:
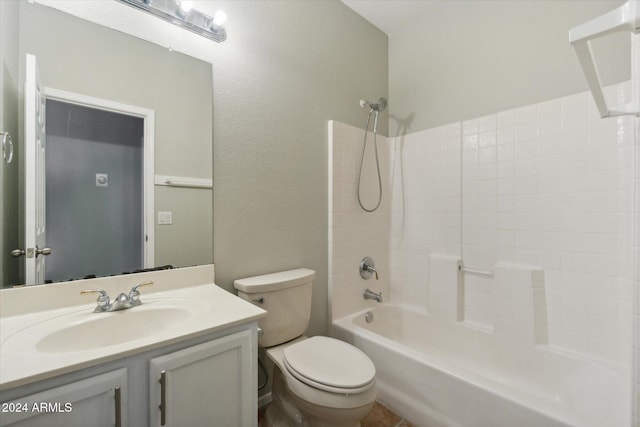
[(374, 108), (379, 106)]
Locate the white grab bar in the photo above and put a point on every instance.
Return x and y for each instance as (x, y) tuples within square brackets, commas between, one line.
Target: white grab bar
[(624, 18)]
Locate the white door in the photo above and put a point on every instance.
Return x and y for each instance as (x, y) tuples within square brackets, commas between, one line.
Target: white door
[(35, 144)]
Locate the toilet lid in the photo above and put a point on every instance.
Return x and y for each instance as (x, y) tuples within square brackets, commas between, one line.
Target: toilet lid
[(330, 364)]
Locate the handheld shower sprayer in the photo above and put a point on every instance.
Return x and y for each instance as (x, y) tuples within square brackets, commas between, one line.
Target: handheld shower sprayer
[(374, 109)]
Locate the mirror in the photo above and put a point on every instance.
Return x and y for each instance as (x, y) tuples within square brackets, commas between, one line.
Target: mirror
[(83, 58)]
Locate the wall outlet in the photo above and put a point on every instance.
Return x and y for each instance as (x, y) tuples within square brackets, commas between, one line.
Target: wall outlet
[(165, 217)]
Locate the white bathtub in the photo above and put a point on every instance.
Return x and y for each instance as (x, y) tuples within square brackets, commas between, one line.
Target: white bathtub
[(437, 373)]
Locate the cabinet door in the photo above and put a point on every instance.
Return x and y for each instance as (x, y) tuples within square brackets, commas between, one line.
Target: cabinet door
[(211, 384), (98, 401)]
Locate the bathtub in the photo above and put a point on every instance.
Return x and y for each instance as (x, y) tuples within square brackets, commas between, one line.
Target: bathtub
[(438, 373)]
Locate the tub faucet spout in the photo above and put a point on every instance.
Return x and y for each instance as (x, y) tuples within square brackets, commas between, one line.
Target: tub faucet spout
[(369, 294)]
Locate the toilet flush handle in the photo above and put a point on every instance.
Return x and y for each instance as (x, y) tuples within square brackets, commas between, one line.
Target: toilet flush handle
[(258, 300)]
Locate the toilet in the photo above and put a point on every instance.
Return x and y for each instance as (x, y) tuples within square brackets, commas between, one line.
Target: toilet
[(317, 381)]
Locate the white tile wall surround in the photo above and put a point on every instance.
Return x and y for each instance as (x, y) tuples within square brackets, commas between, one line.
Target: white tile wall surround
[(425, 209), (562, 202), (483, 178), (551, 186), (445, 287), (520, 305), (353, 233), (634, 284)]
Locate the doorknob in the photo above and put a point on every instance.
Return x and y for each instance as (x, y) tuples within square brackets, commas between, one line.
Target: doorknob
[(17, 252), (30, 252), (43, 251)]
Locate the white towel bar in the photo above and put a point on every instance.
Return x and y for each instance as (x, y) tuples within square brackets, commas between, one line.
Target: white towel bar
[(624, 18), (184, 182), (475, 271)]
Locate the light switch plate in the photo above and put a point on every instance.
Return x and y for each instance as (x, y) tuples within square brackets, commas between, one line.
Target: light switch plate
[(165, 217)]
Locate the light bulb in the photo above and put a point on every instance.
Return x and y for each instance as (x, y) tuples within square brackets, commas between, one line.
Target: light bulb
[(219, 18), (186, 6)]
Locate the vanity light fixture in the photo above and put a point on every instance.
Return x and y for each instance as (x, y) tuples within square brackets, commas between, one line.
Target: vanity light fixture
[(182, 13)]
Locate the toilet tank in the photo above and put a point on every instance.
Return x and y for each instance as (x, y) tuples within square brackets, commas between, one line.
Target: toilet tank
[(286, 296)]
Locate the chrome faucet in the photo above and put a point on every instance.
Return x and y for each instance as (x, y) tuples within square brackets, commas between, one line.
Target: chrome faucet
[(121, 302), (369, 294)]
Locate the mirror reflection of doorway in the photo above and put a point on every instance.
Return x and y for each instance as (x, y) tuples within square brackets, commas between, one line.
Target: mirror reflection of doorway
[(94, 191)]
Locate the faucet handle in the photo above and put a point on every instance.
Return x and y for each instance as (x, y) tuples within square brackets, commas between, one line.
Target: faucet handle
[(102, 292), (135, 288), (367, 268), (134, 293), (103, 299)]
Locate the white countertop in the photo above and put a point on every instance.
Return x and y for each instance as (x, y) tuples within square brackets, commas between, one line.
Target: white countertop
[(24, 360)]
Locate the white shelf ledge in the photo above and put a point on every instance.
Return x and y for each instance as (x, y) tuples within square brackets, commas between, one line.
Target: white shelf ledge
[(626, 18)]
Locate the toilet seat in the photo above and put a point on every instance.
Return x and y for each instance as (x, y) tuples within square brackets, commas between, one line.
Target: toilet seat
[(344, 400), (330, 365)]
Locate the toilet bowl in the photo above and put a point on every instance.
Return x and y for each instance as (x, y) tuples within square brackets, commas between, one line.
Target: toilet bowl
[(328, 379), (317, 381)]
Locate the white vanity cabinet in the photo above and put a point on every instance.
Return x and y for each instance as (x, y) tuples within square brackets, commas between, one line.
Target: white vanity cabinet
[(207, 381), (204, 339), (210, 384), (98, 401)]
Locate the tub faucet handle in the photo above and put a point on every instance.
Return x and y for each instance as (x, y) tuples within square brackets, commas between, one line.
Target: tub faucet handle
[(367, 268)]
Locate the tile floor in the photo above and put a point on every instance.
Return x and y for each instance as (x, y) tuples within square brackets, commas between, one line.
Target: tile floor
[(380, 416)]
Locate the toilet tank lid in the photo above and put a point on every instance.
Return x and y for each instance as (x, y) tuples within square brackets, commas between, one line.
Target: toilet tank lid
[(275, 281)]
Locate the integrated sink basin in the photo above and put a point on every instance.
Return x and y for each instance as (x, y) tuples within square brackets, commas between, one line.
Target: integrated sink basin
[(83, 332), (52, 329)]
